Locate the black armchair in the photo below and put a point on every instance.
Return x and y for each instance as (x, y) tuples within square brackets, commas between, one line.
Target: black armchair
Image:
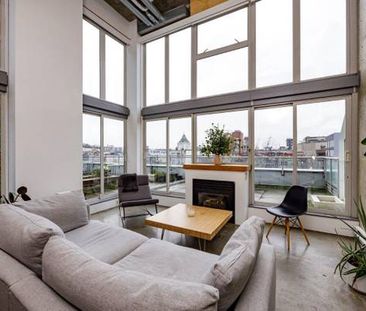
[(287, 213), (141, 196)]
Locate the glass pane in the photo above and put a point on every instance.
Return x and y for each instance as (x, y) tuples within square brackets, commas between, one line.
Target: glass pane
[(321, 162), (91, 61), (273, 162), (155, 154), (114, 71), (155, 72), (226, 30), (91, 156), (323, 38), (180, 152), (233, 122), (224, 73), (113, 153), (180, 65), (273, 42)]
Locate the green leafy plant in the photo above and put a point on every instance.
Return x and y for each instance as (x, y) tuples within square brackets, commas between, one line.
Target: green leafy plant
[(217, 141), (354, 253)]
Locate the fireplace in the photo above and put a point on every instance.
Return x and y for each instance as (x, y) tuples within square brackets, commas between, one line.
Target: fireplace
[(214, 194)]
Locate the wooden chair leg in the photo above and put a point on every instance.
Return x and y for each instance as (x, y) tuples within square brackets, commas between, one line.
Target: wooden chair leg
[(303, 230), (271, 226), (287, 224), (123, 218)]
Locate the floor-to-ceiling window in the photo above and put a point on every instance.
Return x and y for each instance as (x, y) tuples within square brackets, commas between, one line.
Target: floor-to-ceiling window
[(253, 56), (304, 144), (113, 152), (91, 156), (273, 158), (168, 147), (322, 150), (156, 154), (235, 124), (103, 119), (323, 38), (180, 152), (103, 154), (274, 44), (222, 54)]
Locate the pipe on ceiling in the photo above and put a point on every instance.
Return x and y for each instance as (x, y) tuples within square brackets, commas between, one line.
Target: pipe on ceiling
[(137, 13), (153, 10)]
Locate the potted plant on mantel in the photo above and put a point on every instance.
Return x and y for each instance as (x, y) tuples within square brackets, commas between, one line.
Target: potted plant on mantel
[(217, 143), (352, 266)]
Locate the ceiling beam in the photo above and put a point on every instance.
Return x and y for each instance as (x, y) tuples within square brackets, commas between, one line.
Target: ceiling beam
[(153, 10), (136, 12)]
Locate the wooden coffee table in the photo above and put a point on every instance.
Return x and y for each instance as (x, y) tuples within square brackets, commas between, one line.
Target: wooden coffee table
[(205, 224)]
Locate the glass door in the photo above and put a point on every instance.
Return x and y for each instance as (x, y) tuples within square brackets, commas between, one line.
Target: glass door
[(273, 154), (322, 158)]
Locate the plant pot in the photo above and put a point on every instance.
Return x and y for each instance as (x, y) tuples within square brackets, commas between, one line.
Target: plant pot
[(217, 160), (359, 285)]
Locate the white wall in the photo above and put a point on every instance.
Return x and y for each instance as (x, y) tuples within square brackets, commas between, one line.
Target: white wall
[(45, 97)]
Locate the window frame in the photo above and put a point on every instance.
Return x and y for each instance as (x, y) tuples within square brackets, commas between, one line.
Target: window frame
[(250, 43), (167, 192), (102, 195), (351, 173), (350, 165), (288, 93), (102, 63)]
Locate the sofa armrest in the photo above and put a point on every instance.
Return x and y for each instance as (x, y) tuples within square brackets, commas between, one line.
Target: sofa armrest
[(33, 295), (260, 292)]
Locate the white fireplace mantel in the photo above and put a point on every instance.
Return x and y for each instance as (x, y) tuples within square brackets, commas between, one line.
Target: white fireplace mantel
[(239, 174)]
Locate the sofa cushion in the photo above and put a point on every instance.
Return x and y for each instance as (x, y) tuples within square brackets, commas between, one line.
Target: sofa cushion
[(105, 242), (236, 263), (92, 285), (261, 290), (23, 235), (68, 210), (161, 258)]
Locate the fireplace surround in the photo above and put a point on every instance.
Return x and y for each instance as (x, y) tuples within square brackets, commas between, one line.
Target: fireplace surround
[(235, 173)]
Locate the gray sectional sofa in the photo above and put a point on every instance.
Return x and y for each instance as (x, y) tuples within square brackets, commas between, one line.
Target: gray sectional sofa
[(52, 257)]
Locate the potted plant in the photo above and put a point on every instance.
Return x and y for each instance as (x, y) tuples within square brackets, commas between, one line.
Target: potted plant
[(13, 197), (352, 266), (217, 143)]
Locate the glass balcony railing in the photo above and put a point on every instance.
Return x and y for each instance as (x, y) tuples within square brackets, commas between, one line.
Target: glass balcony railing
[(273, 176)]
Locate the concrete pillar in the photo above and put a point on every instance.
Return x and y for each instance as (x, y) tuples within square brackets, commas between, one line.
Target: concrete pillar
[(362, 97), (134, 150)]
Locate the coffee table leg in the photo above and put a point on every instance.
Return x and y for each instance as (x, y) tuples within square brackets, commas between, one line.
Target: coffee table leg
[(204, 245), (199, 244), (162, 233)]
